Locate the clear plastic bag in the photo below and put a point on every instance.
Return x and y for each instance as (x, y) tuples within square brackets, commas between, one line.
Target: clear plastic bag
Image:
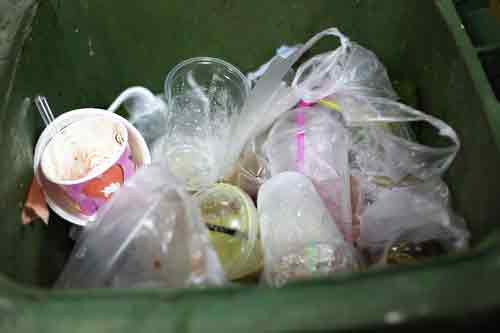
[(400, 156), (355, 80), (384, 151), (419, 212), (149, 235), (313, 141), (270, 97), (299, 237), (348, 70)]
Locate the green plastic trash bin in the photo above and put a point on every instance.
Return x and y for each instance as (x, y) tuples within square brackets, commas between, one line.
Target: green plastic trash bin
[(84, 52)]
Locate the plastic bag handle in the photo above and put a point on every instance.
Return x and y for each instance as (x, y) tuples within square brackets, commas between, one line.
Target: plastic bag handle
[(325, 65), (135, 95)]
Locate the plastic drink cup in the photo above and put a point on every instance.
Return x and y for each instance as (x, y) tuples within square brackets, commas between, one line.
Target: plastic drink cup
[(299, 237), (204, 97)]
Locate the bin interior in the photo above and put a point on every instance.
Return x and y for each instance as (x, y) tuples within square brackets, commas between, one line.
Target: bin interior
[(84, 53)]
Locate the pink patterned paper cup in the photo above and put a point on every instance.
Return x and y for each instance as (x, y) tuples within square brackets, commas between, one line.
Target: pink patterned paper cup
[(92, 194), (89, 160)]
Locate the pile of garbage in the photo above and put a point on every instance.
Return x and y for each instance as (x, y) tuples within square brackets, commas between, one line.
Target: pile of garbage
[(289, 173)]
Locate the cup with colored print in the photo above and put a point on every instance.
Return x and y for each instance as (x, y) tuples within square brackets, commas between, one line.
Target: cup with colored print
[(83, 157)]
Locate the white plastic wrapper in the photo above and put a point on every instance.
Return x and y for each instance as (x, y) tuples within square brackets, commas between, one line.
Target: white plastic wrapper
[(417, 212), (148, 235), (313, 141), (300, 239)]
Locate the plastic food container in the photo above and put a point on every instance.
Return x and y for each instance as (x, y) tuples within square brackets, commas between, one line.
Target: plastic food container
[(231, 217)]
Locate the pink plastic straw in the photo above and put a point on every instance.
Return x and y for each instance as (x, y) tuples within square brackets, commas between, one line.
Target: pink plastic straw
[(300, 121)]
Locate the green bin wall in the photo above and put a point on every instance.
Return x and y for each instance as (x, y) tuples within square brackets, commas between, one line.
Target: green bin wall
[(83, 53)]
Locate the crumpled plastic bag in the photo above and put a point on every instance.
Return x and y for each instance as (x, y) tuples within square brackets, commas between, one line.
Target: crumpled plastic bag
[(150, 234), (351, 80), (355, 80), (416, 213), (270, 97)]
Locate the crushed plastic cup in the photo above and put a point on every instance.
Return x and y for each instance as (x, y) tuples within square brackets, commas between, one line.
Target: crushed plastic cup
[(231, 218), (299, 237)]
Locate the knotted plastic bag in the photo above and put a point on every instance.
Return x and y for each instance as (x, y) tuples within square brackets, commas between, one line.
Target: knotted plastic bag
[(149, 235)]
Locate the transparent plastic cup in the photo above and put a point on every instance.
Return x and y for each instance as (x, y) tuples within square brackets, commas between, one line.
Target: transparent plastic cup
[(314, 142), (204, 96), (299, 237), (231, 218)]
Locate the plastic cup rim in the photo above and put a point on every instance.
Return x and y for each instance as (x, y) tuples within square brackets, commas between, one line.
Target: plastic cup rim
[(218, 61)]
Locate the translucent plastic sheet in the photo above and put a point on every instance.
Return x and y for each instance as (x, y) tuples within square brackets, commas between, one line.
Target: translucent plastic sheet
[(149, 235)]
